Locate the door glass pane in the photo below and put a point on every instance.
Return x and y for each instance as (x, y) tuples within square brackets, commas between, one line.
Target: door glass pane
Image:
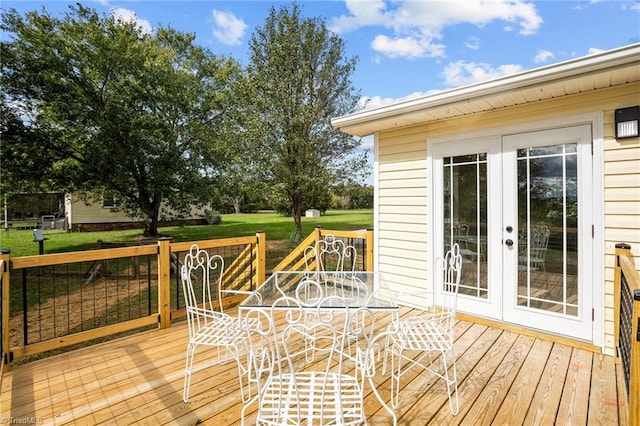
[(465, 218), (548, 223)]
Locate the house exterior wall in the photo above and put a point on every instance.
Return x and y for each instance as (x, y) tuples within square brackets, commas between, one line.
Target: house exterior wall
[(81, 213), (402, 187), (93, 216)]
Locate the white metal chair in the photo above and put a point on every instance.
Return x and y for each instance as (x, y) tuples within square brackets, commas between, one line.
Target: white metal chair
[(533, 245), (201, 275), (470, 249), (332, 263), (426, 340), (306, 374), (330, 254)]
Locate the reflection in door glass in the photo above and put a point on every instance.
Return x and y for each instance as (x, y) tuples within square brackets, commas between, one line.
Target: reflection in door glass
[(548, 224), (465, 218)]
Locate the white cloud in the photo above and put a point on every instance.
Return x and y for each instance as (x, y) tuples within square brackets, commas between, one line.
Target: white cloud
[(363, 13), (374, 102), (417, 25), (377, 101), (543, 56), (594, 50), (407, 47), (129, 16), (228, 29), (473, 43), (462, 73)]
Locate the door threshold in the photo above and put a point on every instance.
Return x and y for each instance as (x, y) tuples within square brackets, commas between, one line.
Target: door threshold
[(555, 338)]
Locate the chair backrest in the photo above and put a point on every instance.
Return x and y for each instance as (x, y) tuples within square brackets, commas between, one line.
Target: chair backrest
[(330, 254), (201, 276), (350, 288), (537, 239), (311, 338), (540, 237), (450, 266), (459, 229)]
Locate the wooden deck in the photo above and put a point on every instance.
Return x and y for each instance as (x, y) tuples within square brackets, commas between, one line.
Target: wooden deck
[(504, 379)]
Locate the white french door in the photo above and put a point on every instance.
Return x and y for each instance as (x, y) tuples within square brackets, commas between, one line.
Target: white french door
[(547, 182), (467, 203), (519, 208)]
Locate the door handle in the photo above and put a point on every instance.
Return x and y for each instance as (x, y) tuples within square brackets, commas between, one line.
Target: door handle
[(509, 242)]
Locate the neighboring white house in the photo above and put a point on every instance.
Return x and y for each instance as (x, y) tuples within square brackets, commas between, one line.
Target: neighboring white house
[(487, 164), (83, 216)]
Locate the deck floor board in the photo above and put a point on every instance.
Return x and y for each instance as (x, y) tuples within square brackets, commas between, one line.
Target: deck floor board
[(504, 378)]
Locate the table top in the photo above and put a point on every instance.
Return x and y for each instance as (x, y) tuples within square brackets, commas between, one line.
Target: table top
[(350, 289), (482, 239)]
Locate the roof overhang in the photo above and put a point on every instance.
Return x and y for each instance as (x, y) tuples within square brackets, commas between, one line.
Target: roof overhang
[(598, 71)]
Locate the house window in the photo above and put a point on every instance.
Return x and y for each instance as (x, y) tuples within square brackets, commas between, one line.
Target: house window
[(109, 200), (465, 217)]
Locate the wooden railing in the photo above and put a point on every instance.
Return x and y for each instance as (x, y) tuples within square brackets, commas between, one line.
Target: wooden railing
[(142, 276), (627, 326), (361, 239)]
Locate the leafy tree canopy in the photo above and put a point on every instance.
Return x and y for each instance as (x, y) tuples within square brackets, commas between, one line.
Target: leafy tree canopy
[(90, 103), (298, 78)]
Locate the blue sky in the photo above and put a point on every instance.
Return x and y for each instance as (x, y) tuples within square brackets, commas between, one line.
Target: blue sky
[(405, 48)]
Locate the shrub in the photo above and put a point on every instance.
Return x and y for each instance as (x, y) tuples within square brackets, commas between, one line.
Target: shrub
[(213, 217)]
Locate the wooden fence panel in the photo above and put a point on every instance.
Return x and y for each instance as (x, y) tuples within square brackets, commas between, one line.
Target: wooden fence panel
[(627, 323)]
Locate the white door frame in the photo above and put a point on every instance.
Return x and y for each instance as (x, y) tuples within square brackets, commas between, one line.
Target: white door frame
[(597, 247)]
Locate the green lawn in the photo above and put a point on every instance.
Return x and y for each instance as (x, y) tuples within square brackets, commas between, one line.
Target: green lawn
[(275, 226)]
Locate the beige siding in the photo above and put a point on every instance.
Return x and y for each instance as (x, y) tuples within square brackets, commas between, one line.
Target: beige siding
[(403, 229), (402, 197), (95, 213), (79, 212), (622, 199)]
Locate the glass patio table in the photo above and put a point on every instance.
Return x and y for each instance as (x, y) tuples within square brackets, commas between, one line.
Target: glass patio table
[(358, 289)]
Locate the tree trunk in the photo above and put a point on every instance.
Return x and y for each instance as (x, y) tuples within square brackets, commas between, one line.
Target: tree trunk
[(297, 215), (237, 202), (297, 221), (151, 222), (151, 227)]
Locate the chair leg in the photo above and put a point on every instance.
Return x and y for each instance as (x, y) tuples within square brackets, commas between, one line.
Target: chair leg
[(191, 351), (396, 371), (244, 374), (451, 379), (387, 341)]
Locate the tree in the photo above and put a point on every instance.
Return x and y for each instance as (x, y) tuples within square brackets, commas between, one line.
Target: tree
[(353, 195), (240, 185), (140, 115), (21, 155), (298, 79)]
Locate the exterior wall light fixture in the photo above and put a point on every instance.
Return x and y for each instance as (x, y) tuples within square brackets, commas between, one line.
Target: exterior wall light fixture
[(626, 120)]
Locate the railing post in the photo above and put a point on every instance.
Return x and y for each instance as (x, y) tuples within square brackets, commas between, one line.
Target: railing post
[(164, 282), (261, 273), (317, 237), (5, 357), (369, 245)]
